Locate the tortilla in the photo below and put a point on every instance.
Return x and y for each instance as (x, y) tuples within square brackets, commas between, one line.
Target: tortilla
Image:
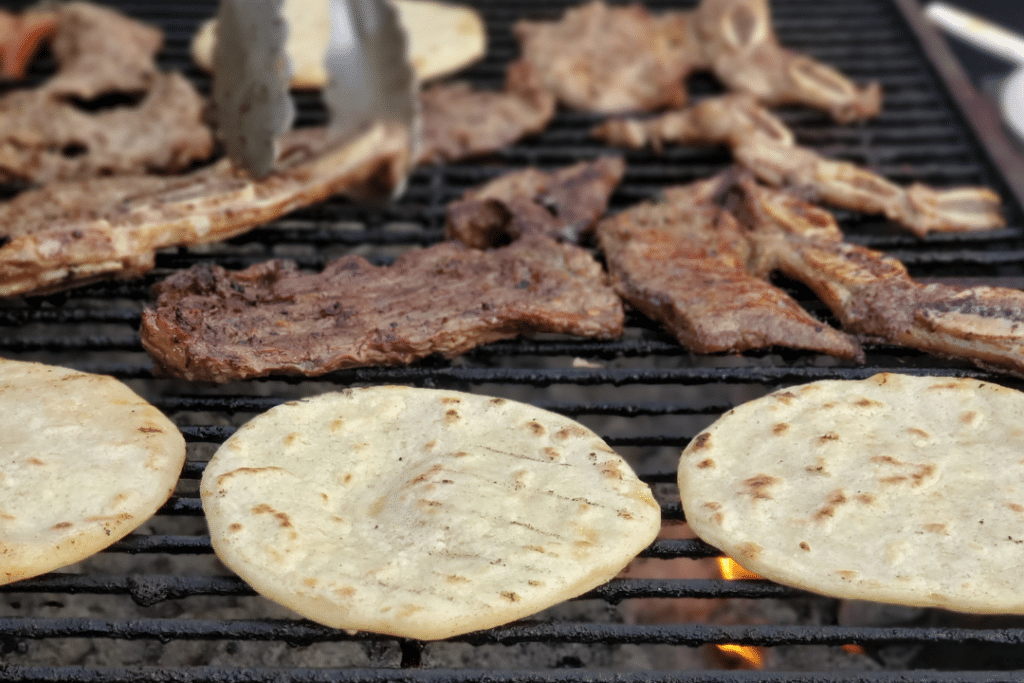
[(899, 489), (422, 513), (443, 39), (83, 461)]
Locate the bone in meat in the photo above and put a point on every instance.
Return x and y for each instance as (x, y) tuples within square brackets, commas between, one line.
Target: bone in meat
[(564, 204), (43, 139), (605, 58), (99, 51), (122, 221), (919, 208), (873, 295), (740, 45), (683, 263), (213, 325), (766, 146)]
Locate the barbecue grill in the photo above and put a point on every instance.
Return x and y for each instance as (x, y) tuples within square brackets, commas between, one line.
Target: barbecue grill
[(158, 607)]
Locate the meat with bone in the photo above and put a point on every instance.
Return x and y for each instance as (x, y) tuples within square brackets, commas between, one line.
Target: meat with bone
[(612, 58), (100, 51), (43, 139), (684, 263), (873, 295), (763, 144), (460, 122), (564, 204), (742, 50), (47, 133), (623, 58), (66, 234), (213, 325)]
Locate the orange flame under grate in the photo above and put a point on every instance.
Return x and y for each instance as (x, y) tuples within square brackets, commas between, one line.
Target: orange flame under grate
[(739, 656)]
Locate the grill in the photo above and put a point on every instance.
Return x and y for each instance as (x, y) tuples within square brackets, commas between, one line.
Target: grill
[(158, 607)]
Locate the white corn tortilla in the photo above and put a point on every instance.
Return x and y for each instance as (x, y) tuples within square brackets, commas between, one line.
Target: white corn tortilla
[(443, 39), (899, 489), (83, 461), (422, 513)]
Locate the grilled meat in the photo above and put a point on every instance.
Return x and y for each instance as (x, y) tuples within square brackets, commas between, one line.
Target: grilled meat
[(733, 120), (460, 122), (100, 51), (564, 204), (67, 234), (58, 131), (684, 263), (919, 208), (873, 295), (740, 45), (612, 59), (615, 59), (43, 139), (766, 146), (213, 325)]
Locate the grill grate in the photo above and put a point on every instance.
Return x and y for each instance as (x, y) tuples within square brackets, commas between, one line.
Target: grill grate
[(160, 592)]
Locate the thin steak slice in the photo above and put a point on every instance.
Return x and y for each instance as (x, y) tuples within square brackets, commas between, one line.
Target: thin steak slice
[(99, 50), (67, 234), (763, 144), (43, 139), (460, 122), (873, 295), (564, 204), (107, 110), (214, 325), (683, 263), (608, 59)]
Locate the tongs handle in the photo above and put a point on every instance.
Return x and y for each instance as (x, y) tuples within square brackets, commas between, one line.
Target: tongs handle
[(977, 31)]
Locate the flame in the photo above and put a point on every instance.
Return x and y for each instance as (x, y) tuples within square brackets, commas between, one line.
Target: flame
[(854, 649), (742, 656), (732, 570), (739, 656)]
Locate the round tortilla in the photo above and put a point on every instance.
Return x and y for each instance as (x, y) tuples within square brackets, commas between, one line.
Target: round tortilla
[(83, 461), (899, 489), (422, 513), (443, 39)]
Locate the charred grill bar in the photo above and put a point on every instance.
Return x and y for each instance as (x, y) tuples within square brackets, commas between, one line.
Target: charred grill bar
[(644, 393)]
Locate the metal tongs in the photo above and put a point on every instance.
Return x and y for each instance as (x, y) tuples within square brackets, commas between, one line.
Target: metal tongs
[(370, 78), (995, 40)]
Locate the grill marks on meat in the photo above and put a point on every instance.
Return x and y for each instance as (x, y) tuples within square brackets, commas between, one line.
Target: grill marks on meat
[(684, 263), (213, 325), (611, 59), (563, 204), (743, 52), (874, 296), (761, 143), (615, 59), (67, 234), (459, 122), (57, 131)]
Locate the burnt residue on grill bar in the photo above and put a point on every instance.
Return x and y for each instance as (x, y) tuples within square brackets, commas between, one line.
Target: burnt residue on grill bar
[(156, 606)]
